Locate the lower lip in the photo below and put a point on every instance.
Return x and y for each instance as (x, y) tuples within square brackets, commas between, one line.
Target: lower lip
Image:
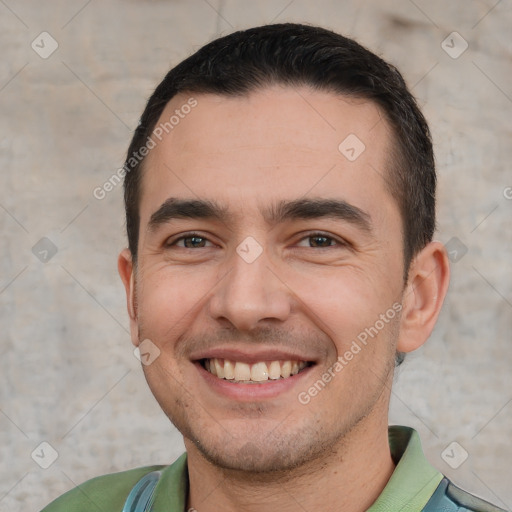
[(251, 392)]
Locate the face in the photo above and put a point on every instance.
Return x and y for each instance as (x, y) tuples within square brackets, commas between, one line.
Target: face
[(289, 261)]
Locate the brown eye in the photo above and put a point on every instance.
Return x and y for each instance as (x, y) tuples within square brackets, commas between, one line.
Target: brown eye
[(190, 241), (193, 241), (321, 240)]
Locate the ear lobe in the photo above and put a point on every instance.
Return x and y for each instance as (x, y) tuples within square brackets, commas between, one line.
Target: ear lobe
[(429, 277), (126, 271)]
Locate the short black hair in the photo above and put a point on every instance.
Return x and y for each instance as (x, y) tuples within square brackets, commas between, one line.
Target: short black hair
[(294, 55)]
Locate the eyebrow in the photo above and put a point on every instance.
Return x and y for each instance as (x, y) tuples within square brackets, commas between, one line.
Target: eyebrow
[(298, 209)]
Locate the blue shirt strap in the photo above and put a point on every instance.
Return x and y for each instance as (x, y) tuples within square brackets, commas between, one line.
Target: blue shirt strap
[(142, 495)]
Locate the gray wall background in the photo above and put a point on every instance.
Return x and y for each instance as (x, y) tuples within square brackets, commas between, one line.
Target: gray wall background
[(68, 374)]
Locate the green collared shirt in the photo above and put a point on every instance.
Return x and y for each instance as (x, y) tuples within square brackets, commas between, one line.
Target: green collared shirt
[(408, 490)]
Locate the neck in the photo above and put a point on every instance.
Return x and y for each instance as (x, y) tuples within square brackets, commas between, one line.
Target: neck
[(349, 477)]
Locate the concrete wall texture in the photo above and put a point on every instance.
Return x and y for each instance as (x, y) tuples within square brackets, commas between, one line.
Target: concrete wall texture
[(68, 374)]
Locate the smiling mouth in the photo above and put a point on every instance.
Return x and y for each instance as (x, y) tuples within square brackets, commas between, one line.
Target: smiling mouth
[(263, 371)]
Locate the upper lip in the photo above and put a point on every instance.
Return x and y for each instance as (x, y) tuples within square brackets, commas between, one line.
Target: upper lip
[(250, 356)]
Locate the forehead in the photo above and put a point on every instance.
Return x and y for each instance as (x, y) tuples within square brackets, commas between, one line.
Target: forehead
[(271, 143)]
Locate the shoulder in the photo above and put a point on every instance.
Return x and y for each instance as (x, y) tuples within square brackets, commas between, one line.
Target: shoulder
[(450, 498), (106, 492)]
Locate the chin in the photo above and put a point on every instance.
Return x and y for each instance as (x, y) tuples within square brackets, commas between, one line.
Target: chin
[(262, 452), (253, 459)]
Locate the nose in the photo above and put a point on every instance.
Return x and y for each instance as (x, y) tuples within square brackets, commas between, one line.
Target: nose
[(251, 292)]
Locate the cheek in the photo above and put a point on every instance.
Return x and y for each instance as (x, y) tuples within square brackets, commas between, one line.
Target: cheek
[(169, 298), (345, 301)]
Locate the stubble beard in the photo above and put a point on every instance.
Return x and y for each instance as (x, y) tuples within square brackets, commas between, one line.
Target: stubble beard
[(283, 453)]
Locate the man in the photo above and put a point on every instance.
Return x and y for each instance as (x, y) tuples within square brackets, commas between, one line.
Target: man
[(280, 206)]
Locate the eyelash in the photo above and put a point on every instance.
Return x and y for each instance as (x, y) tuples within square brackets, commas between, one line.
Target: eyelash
[(341, 243)]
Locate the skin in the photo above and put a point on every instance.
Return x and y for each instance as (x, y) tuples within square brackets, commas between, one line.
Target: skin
[(306, 294)]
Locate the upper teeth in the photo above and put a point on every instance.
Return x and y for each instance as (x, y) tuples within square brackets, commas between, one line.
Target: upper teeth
[(257, 372)]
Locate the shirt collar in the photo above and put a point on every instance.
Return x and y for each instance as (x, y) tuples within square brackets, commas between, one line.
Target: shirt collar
[(414, 480)]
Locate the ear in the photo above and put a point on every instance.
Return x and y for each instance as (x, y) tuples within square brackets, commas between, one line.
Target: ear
[(126, 271), (429, 276)]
